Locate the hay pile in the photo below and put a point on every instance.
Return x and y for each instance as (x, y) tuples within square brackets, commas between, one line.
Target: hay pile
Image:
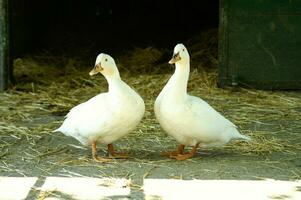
[(143, 61), (203, 50), (48, 87)]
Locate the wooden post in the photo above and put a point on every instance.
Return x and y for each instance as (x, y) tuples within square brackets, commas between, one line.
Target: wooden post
[(4, 45)]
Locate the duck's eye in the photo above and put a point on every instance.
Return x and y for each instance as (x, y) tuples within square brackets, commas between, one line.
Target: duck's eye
[(106, 59), (183, 50)]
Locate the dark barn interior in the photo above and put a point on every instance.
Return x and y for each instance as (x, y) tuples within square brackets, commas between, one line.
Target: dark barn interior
[(76, 27)]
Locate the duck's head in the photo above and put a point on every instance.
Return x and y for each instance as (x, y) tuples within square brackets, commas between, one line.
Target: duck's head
[(180, 54), (104, 64)]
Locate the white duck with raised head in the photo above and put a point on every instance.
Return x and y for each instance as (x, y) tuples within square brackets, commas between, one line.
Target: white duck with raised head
[(189, 119), (108, 116)]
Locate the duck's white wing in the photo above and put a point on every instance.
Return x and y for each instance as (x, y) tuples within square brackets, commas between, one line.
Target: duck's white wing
[(85, 118), (86, 105), (213, 123), (208, 115)]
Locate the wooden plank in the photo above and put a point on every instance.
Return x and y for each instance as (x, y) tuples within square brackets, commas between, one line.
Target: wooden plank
[(4, 46)]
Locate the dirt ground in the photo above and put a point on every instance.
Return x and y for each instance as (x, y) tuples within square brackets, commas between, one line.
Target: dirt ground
[(32, 109)]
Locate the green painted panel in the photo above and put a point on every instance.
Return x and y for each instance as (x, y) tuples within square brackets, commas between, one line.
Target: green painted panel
[(260, 43)]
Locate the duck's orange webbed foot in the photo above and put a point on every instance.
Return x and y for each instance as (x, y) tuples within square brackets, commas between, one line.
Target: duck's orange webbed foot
[(113, 154), (96, 157), (187, 155), (179, 151)]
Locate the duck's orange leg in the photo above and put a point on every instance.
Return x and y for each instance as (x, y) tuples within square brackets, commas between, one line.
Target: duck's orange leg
[(98, 158), (113, 154), (179, 151), (187, 155)]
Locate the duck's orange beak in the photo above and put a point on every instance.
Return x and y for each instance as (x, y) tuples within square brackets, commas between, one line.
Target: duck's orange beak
[(175, 58), (97, 68)]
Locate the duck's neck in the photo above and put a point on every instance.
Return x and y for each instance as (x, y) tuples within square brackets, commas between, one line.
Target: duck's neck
[(180, 80), (114, 83)]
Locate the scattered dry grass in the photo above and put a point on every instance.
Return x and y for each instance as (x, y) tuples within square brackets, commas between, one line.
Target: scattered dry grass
[(48, 87)]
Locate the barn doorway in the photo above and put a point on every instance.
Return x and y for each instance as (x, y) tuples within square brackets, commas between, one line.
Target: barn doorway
[(76, 28)]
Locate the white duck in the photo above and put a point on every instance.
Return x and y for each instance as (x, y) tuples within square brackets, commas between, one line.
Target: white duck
[(189, 119), (108, 116)]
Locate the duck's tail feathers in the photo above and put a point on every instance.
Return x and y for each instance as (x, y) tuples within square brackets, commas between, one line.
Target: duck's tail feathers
[(57, 130), (239, 136), (243, 137)]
